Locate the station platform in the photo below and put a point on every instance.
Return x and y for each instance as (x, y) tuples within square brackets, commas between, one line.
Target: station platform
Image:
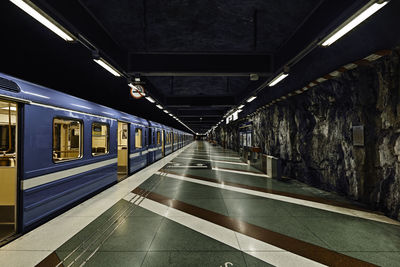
[(203, 206)]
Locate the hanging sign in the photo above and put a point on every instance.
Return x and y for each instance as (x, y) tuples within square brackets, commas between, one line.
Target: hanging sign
[(137, 91), (234, 116)]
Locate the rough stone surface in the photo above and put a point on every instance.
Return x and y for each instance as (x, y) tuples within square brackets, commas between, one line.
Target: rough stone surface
[(312, 134)]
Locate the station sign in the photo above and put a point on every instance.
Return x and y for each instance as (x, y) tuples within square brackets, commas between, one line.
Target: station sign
[(234, 116)]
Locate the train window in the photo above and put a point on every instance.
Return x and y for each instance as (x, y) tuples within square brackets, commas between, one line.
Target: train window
[(158, 138), (8, 119), (67, 139), (100, 138), (138, 138)]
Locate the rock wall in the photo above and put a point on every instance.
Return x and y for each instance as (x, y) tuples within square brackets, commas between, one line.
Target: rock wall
[(312, 134)]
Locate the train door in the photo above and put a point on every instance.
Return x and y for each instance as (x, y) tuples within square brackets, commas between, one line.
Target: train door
[(123, 151), (8, 169), (163, 143)]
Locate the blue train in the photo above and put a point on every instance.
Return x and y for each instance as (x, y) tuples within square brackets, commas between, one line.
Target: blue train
[(56, 150)]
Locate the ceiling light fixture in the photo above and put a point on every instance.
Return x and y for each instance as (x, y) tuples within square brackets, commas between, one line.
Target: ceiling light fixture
[(44, 19), (159, 106), (278, 79), (107, 66), (251, 98), (150, 99), (352, 22), (166, 111), (240, 107)]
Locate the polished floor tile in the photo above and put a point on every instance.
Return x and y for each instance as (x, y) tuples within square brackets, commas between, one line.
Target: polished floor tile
[(354, 234), (135, 229), (157, 234), (120, 259), (194, 258), (173, 236)]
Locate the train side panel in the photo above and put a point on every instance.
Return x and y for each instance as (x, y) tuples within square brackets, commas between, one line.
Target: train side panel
[(138, 152), (49, 186)]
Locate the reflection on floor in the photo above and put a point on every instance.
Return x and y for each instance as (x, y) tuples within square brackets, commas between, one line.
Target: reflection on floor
[(204, 208)]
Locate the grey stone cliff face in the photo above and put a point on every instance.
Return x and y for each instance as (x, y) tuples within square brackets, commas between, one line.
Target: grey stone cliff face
[(312, 134)]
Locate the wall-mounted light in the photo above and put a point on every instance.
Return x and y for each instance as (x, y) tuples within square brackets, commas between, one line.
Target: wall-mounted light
[(352, 22), (151, 100), (102, 62), (44, 19), (159, 106), (251, 98)]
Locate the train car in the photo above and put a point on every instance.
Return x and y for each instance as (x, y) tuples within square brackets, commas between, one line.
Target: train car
[(175, 142), (186, 139), (180, 139), (155, 147), (56, 150), (137, 131), (167, 140)]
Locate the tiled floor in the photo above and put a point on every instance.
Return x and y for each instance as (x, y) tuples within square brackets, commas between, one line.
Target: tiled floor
[(206, 208)]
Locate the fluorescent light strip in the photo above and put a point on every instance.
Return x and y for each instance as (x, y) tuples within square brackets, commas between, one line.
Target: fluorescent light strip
[(277, 79), (150, 99), (166, 111), (251, 99), (159, 106), (107, 66), (11, 108), (351, 23), (35, 12), (240, 107)]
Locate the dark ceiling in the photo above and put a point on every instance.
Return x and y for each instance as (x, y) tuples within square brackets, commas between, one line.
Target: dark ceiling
[(219, 26), (195, 57)]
